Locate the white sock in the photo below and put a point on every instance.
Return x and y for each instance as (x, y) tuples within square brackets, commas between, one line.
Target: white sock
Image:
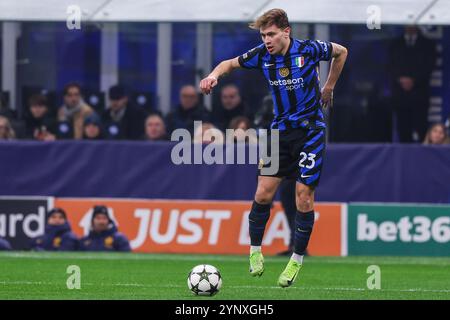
[(255, 248), (297, 257)]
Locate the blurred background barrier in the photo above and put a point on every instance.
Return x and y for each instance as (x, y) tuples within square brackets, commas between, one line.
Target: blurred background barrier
[(398, 229), (352, 172), (221, 227)]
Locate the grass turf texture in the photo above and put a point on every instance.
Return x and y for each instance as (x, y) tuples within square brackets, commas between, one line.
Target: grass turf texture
[(27, 275)]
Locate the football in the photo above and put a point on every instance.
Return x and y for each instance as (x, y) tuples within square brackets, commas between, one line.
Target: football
[(204, 280)]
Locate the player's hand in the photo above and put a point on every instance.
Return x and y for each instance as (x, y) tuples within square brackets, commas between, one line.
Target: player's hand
[(327, 97), (207, 84)]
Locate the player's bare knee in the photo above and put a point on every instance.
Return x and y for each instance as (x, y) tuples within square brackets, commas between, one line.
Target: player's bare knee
[(305, 205), (263, 198), (263, 195), (304, 199)]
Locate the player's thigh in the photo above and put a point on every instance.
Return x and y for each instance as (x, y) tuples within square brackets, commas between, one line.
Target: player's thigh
[(310, 158), (267, 187)]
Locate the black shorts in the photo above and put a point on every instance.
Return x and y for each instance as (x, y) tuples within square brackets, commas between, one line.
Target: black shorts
[(300, 155)]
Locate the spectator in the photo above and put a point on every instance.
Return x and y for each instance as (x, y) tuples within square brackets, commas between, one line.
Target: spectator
[(121, 120), (188, 110), (92, 129), (103, 235), (208, 133), (74, 110), (155, 128), (241, 126), (4, 245), (39, 124), (411, 61), (6, 131), (58, 234), (231, 106), (436, 135)]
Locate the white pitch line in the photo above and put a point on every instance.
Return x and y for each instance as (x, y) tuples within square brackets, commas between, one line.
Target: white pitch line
[(413, 290), (178, 257), (344, 289)]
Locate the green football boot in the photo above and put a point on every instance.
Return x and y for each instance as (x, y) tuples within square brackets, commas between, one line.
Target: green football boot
[(256, 263), (290, 273)]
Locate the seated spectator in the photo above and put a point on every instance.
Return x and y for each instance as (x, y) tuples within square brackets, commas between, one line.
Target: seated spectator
[(58, 234), (208, 133), (39, 125), (241, 126), (231, 106), (4, 245), (92, 129), (436, 135), (188, 110), (103, 235), (6, 131), (122, 120), (155, 128), (74, 110)]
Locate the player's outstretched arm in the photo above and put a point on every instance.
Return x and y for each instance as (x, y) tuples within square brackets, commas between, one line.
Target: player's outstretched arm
[(337, 64), (222, 68)]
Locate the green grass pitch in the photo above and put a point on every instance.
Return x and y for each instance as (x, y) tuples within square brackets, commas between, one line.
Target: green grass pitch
[(33, 275)]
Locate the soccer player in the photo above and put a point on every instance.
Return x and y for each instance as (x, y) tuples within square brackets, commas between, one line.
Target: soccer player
[(291, 69)]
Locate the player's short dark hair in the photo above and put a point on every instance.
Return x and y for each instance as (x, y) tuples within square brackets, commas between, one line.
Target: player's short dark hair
[(38, 100), (277, 17), (70, 85)]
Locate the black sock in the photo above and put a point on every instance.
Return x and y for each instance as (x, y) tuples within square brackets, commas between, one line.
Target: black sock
[(304, 223), (257, 219)]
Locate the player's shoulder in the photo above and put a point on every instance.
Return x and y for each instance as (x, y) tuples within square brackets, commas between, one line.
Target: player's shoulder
[(253, 57), (311, 45), (261, 48), (304, 44)]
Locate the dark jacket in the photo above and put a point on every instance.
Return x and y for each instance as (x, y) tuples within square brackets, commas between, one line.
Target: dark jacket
[(4, 244), (32, 124), (56, 238), (416, 62), (130, 127), (184, 119), (109, 240), (222, 117)]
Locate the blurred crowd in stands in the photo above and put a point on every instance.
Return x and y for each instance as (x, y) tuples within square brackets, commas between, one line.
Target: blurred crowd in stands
[(121, 120), (412, 58)]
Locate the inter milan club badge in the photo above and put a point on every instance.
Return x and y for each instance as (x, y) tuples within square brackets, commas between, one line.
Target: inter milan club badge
[(284, 72)]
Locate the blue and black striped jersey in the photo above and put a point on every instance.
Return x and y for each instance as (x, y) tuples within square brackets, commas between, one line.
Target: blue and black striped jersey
[(293, 81)]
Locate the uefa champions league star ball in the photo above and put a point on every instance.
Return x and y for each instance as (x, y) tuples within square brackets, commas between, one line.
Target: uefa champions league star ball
[(204, 280)]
